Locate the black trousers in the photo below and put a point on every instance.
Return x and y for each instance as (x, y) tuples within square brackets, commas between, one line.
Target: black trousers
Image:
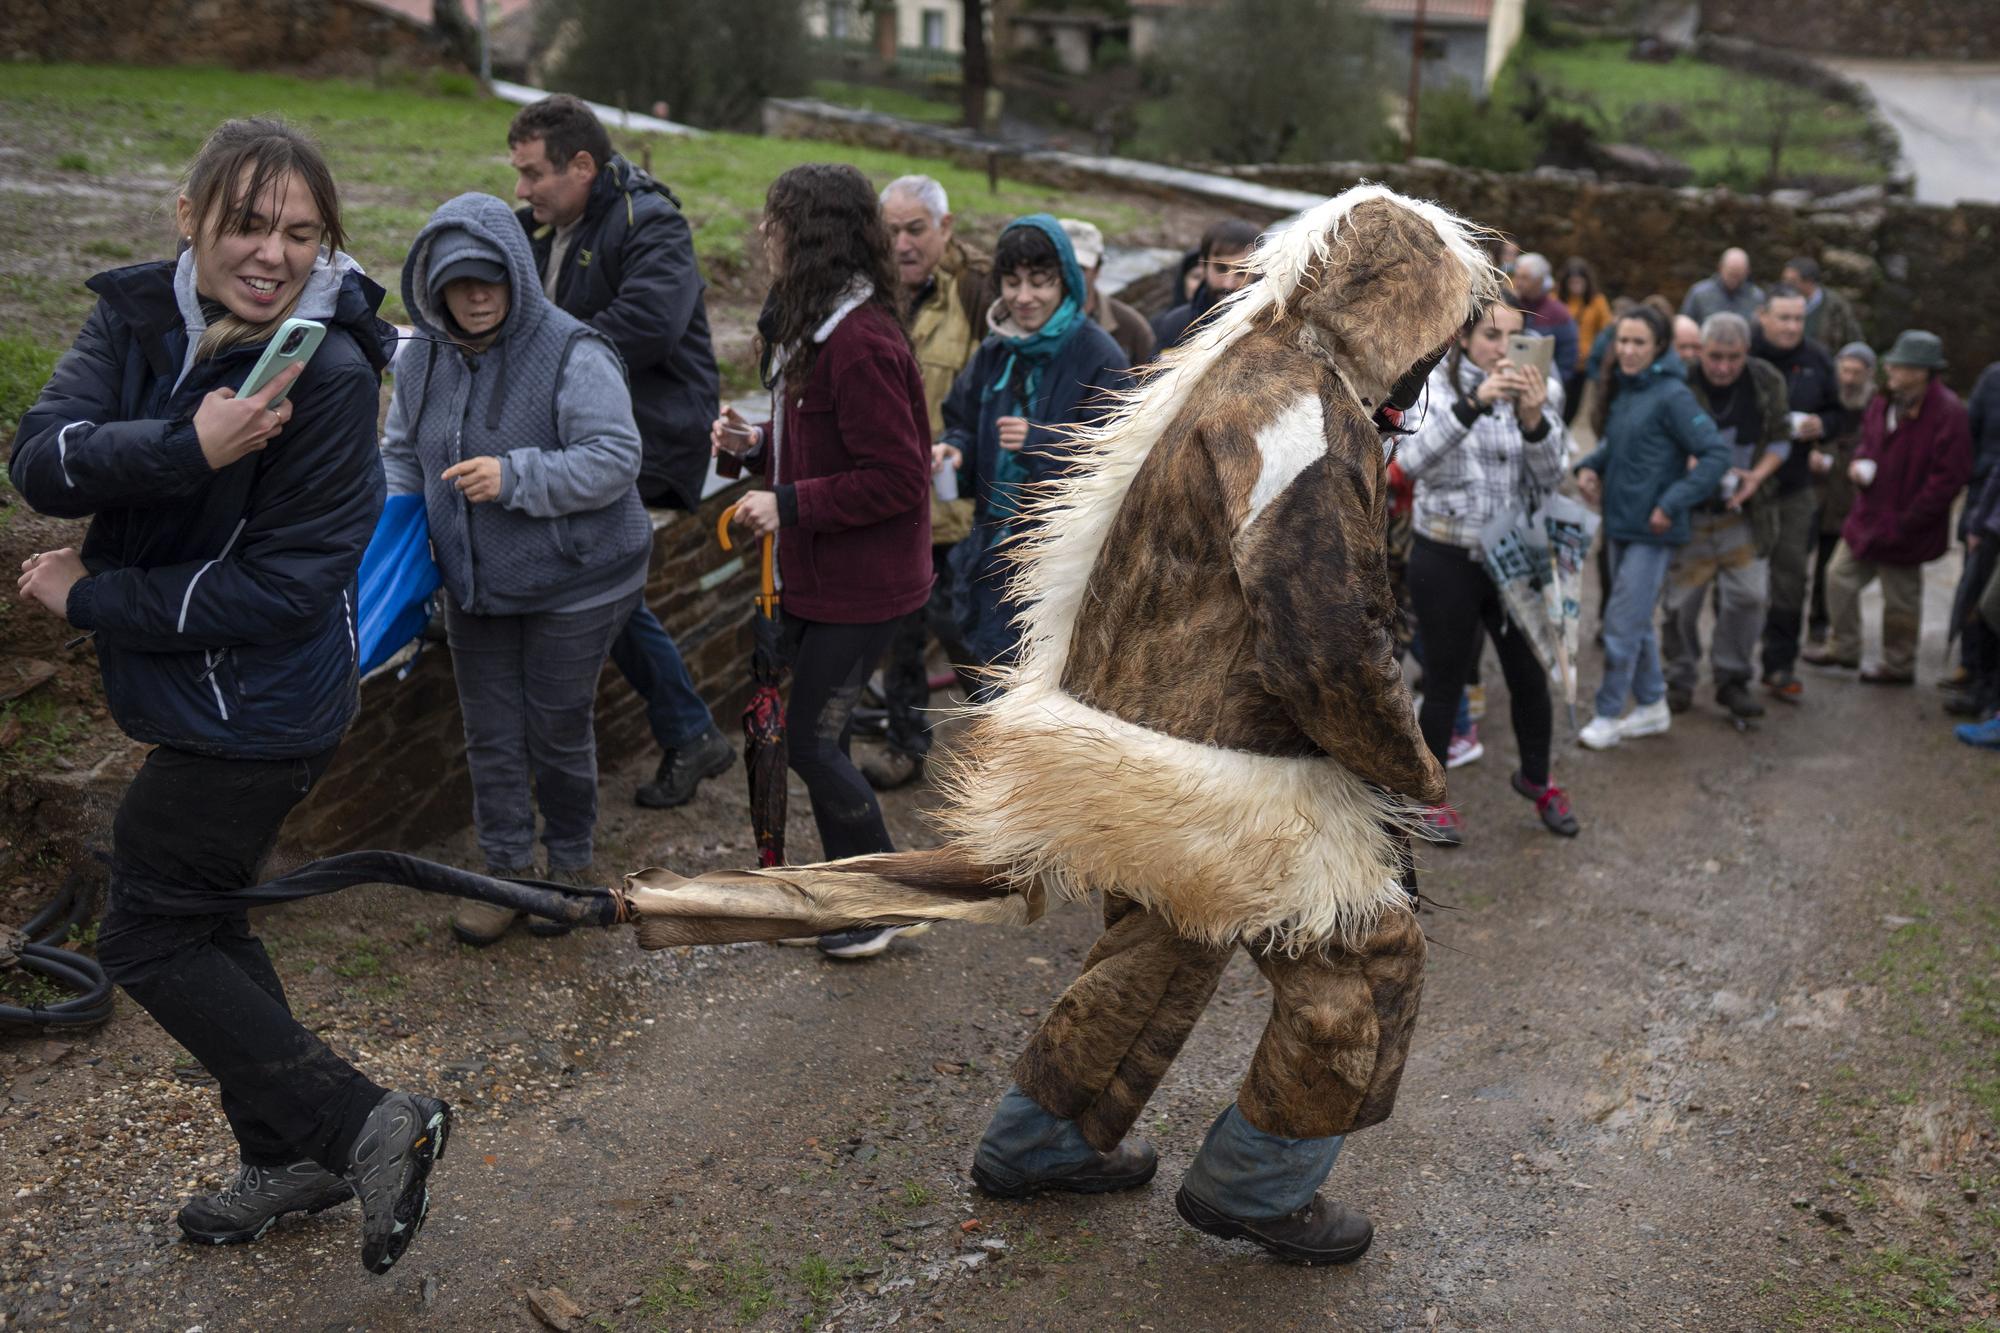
[(191, 825), (1456, 606), (830, 664), (906, 685)]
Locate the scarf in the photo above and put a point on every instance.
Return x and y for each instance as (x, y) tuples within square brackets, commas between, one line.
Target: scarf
[(1030, 354)]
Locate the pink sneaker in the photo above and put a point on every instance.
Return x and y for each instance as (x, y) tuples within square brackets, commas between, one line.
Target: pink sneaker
[(1464, 748), (1442, 825)]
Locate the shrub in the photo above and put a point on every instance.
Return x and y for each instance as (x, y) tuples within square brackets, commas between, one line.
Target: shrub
[(25, 366), (1458, 127)]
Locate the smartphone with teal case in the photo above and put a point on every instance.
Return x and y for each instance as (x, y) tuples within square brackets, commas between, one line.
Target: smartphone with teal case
[(293, 344)]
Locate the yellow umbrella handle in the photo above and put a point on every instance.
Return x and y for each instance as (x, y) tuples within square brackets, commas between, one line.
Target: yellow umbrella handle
[(767, 596)]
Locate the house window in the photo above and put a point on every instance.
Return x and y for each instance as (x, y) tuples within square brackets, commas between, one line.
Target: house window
[(1434, 48), (839, 17), (934, 30)]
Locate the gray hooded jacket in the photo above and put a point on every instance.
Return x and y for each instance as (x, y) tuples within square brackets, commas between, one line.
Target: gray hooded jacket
[(548, 399)]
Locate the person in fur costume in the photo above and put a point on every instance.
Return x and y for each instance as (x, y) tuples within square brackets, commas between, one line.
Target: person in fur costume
[(1207, 726)]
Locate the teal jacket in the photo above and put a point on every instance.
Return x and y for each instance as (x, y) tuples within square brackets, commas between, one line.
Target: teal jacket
[(1654, 427)]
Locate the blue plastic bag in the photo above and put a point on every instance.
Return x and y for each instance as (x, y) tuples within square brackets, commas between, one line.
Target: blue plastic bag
[(396, 581)]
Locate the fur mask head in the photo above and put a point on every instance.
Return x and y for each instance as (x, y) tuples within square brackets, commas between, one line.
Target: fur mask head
[(1381, 285)]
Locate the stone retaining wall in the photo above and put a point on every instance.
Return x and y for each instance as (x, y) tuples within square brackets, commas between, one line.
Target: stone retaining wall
[(400, 779), (326, 36)]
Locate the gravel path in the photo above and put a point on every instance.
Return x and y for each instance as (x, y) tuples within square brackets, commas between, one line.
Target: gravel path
[(1729, 1060)]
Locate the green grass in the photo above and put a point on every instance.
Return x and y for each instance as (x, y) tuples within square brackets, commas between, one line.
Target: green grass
[(886, 101), (25, 366), (399, 151), (1713, 118)]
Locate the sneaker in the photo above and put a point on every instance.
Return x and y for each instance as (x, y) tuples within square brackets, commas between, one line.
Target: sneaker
[(1322, 1232), (1985, 735), (1735, 696), (682, 770), (389, 1167), (1127, 1167), (578, 877), (1475, 701), (1464, 748), (887, 769), (1651, 719), (248, 1206), (1601, 733), (1551, 803), (1785, 687), (1679, 698), (864, 942), (1442, 826)]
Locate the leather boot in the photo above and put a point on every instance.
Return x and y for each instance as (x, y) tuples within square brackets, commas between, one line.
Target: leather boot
[(1322, 1232)]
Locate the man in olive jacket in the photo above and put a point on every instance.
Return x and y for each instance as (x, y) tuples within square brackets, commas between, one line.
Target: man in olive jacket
[(614, 251)]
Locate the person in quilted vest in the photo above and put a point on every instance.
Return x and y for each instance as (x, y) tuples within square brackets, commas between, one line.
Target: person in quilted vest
[(512, 420)]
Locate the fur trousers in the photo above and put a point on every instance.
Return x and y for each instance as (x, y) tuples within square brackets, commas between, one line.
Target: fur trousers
[(1329, 1062)]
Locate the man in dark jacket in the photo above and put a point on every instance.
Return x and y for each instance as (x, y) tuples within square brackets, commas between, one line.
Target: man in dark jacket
[(1830, 320), (614, 251), (1224, 247), (1913, 460), (1813, 388)]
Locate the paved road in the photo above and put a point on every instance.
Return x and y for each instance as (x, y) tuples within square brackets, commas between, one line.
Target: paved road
[(1948, 115), (1725, 1062)]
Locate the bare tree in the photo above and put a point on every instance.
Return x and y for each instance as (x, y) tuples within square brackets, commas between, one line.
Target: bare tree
[(1240, 87)]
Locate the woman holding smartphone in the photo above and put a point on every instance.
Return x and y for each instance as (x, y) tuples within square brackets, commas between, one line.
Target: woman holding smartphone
[(218, 580), (847, 451), (1491, 442)]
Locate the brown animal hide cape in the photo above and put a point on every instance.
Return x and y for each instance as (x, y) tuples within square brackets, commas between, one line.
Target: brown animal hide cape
[(1206, 722)]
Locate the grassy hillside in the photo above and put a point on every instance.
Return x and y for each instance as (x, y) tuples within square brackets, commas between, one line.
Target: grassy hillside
[(1717, 120), (88, 156)]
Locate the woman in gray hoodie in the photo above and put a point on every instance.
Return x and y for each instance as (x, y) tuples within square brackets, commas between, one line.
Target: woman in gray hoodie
[(513, 421)]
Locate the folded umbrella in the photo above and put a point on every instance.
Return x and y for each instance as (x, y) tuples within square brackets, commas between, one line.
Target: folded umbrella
[(764, 714)]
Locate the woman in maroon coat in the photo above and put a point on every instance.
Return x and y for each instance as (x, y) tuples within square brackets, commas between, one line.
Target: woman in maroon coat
[(848, 453)]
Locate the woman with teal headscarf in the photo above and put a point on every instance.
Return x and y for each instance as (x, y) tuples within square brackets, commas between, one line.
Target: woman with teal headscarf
[(1045, 367)]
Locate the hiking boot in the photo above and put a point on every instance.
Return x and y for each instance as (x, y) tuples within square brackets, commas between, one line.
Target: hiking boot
[(1600, 733), (887, 769), (1127, 1167), (1680, 698), (864, 942), (1322, 1232), (1968, 703), (1957, 678), (247, 1207), (389, 1167), (1735, 696), (1823, 657), (1551, 803), (1464, 748), (682, 770), (481, 923), (578, 877), (1785, 687), (1651, 719), (1442, 826)]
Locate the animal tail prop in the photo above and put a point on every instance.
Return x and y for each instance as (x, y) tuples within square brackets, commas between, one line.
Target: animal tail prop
[(892, 889), (538, 897)]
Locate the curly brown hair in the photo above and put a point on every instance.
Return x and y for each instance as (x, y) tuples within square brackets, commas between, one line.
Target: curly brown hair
[(831, 224)]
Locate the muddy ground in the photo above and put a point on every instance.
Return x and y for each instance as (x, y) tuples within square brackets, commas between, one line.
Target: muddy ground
[(1730, 1060)]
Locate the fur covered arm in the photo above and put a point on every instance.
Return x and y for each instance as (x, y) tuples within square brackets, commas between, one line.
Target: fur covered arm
[(1315, 574)]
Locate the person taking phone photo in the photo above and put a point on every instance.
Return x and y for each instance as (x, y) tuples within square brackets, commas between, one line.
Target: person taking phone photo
[(218, 580)]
